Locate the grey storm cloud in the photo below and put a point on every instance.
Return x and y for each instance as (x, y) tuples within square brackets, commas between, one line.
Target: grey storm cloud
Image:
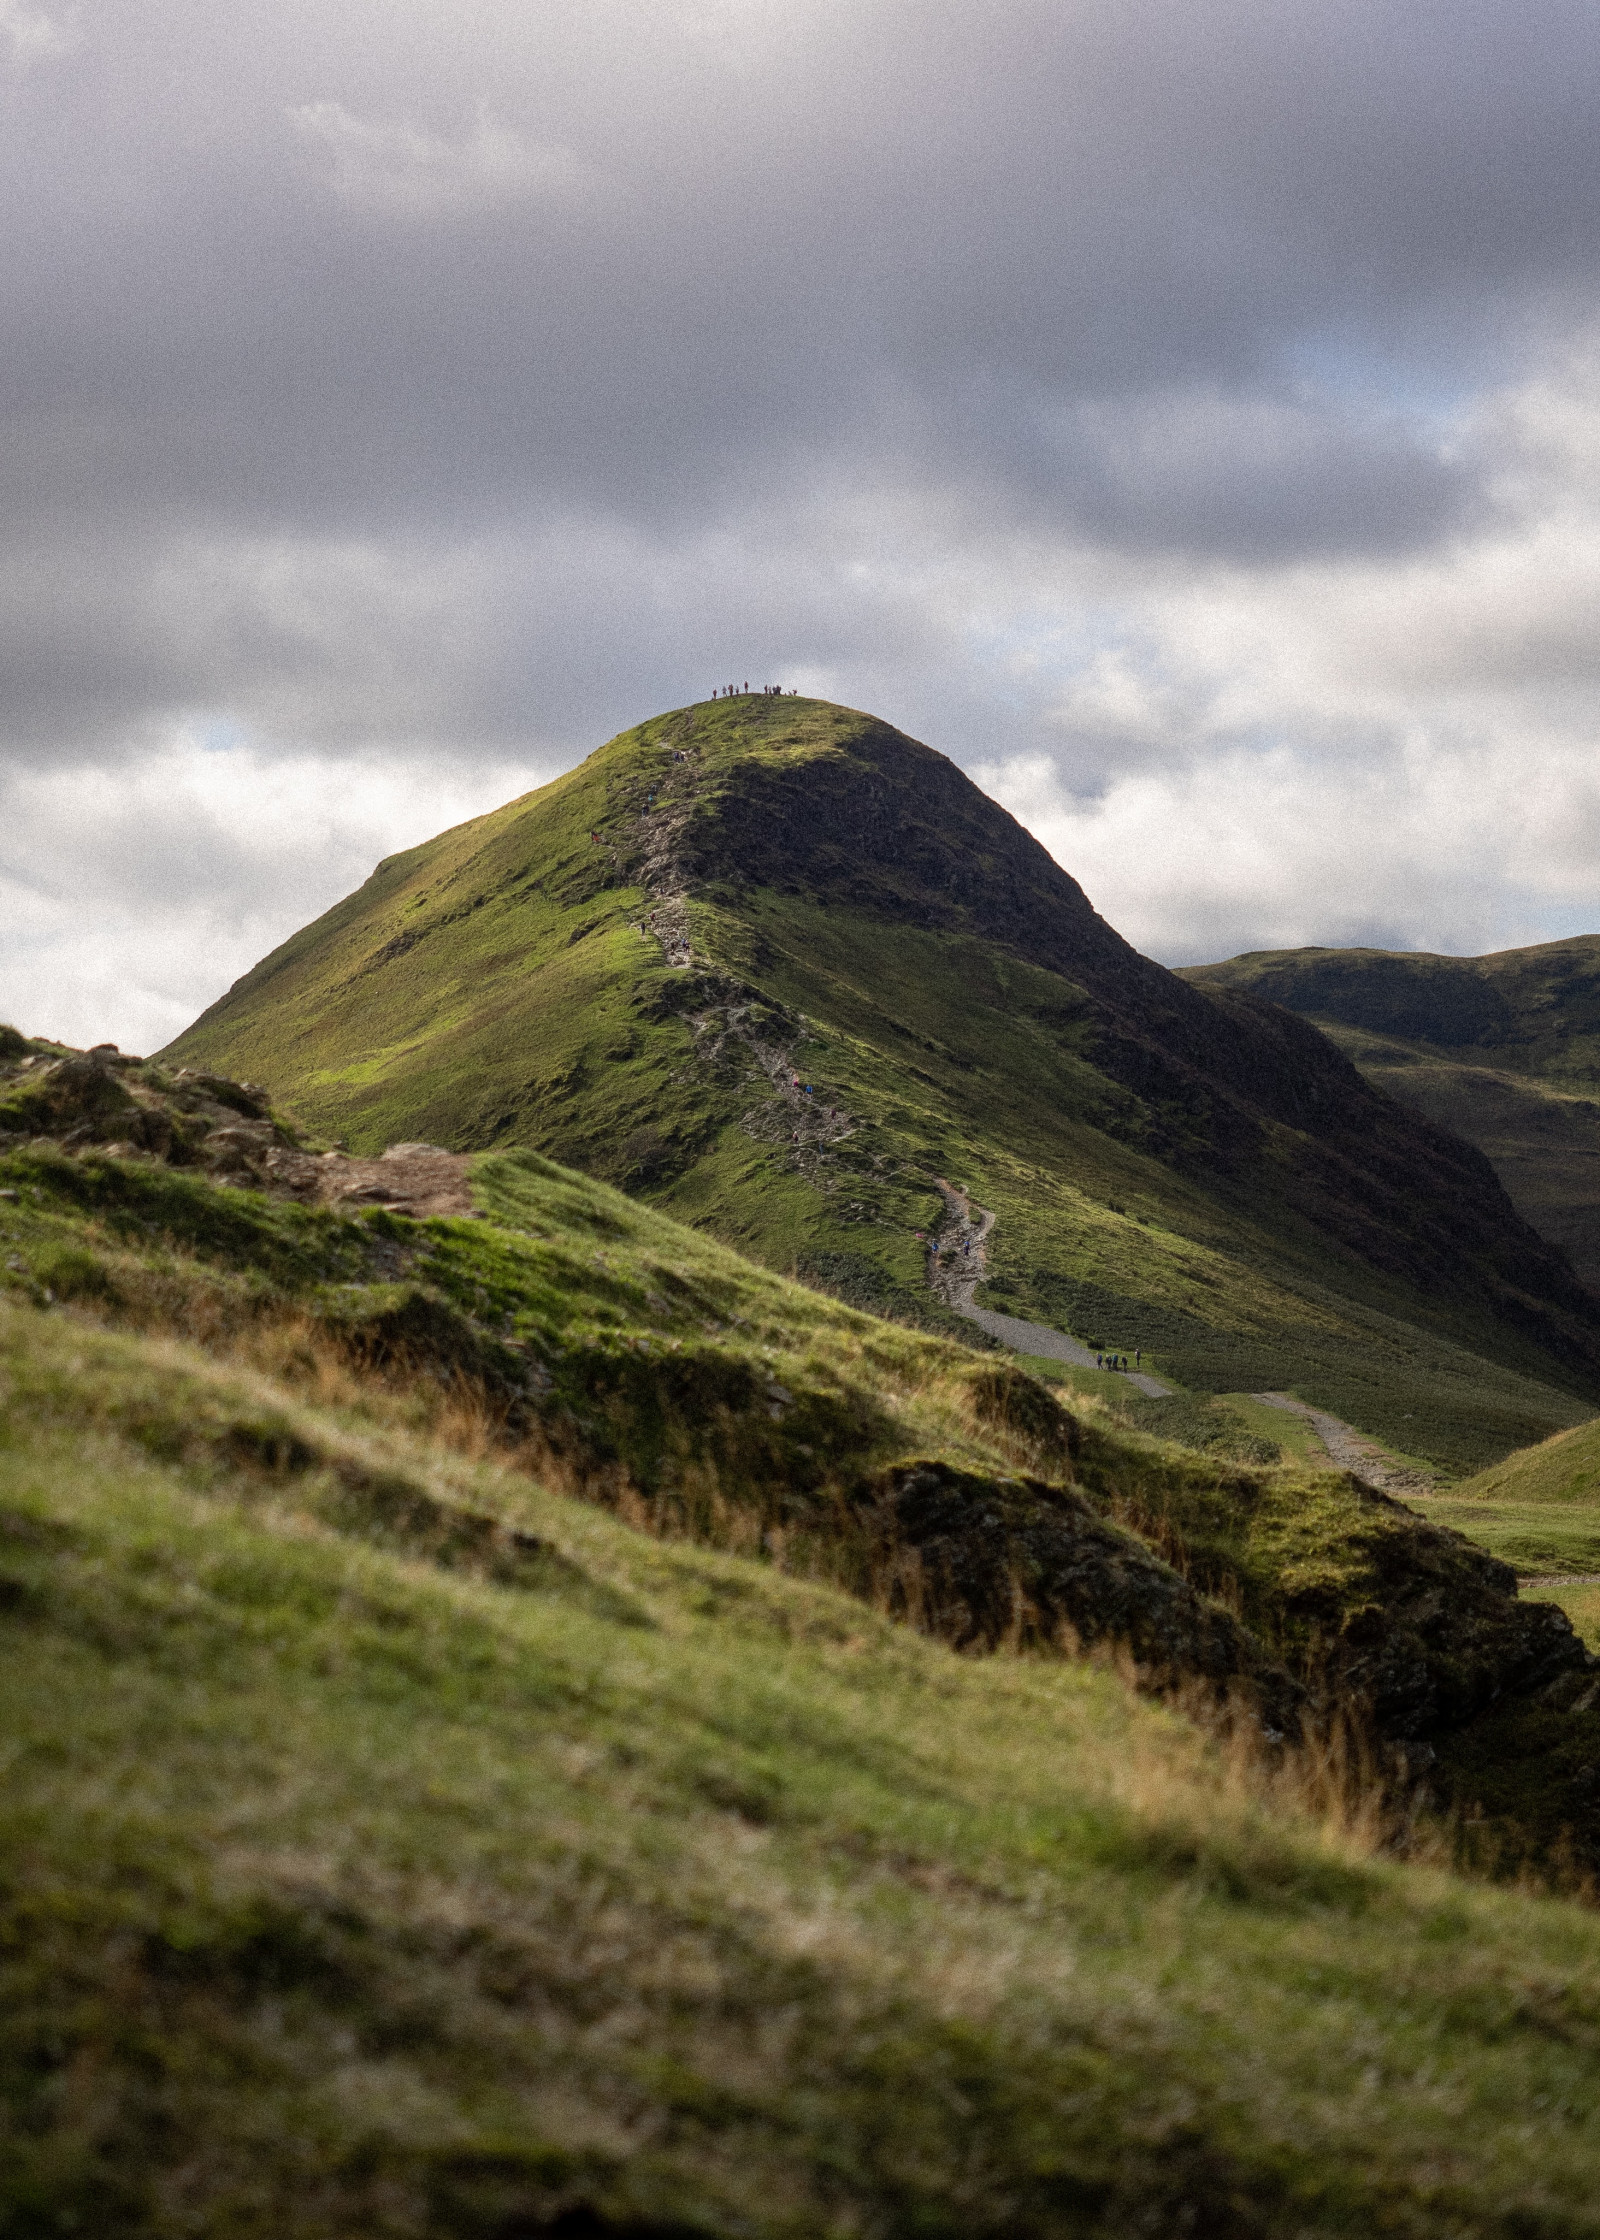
[(452, 384), (308, 267)]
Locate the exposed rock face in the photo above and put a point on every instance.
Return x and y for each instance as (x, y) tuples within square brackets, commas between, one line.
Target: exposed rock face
[(414, 1178), (99, 1099), (985, 1561)]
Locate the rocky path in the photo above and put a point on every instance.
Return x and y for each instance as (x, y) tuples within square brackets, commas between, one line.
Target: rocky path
[(415, 1178), (957, 1259), (956, 1256), (661, 822), (736, 1022), (1350, 1451)]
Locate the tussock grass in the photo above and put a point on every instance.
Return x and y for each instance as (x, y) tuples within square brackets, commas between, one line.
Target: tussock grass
[(603, 1350), (350, 1887)]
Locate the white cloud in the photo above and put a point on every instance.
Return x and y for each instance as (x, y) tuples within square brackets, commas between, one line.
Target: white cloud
[(1165, 411), (397, 169), (132, 896), (1390, 750), (29, 35)]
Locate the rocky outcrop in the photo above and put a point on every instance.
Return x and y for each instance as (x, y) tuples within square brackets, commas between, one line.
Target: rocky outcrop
[(988, 1561), (129, 1108)]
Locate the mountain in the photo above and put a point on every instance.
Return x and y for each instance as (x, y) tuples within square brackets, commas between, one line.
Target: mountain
[(791, 976), (1503, 1049)]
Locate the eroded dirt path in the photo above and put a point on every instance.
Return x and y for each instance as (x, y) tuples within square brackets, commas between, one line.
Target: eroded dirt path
[(660, 824), (1348, 1450), (736, 1026), (957, 1260), (956, 1256), (415, 1178)]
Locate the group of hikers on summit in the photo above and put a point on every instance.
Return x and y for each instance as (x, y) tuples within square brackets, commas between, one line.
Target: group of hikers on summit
[(768, 691)]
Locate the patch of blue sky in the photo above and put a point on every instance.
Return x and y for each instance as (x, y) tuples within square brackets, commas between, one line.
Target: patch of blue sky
[(220, 734), (1024, 649), (1440, 391)]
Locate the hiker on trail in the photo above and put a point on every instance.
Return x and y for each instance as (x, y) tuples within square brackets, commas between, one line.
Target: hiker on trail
[(1099, 1361), (1138, 1355)]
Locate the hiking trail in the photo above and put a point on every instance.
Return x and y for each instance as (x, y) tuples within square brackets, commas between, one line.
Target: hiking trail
[(798, 1120), (957, 1258), (1348, 1450)]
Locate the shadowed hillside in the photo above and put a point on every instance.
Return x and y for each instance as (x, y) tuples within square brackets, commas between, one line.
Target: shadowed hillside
[(781, 969), (1503, 1049)]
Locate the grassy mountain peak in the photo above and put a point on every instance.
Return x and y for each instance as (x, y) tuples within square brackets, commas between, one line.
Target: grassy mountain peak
[(785, 972)]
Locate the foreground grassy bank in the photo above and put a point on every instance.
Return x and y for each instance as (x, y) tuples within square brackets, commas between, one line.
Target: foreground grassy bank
[(395, 1848), (611, 1354)]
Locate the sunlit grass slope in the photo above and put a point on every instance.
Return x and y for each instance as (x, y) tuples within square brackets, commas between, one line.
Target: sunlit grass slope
[(393, 1848), (954, 1055), (1538, 1510), (494, 987), (611, 1353)]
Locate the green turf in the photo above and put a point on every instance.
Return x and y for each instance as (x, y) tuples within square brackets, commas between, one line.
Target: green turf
[(655, 1372), (460, 1861), (1539, 1509)]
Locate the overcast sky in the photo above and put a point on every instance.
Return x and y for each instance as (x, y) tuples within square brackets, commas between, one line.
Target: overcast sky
[(1185, 413)]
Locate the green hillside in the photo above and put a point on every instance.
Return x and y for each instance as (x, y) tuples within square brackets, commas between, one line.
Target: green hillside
[(396, 1844), (619, 1357), (1502, 1049), (1539, 1511), (637, 1890), (780, 970)]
